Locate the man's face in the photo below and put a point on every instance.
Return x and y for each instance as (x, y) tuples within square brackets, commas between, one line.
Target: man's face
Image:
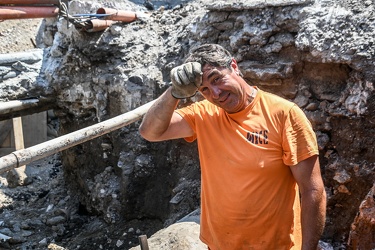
[(224, 87)]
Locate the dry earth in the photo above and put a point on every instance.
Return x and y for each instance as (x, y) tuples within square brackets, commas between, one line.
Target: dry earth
[(18, 35)]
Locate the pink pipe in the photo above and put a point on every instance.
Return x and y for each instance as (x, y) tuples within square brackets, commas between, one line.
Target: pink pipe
[(98, 25), (118, 15), (11, 12), (27, 2)]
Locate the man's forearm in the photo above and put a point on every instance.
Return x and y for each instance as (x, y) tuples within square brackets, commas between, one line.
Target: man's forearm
[(313, 218), (157, 119)]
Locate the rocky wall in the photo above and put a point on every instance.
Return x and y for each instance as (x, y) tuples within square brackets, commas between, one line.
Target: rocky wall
[(19, 73), (318, 54)]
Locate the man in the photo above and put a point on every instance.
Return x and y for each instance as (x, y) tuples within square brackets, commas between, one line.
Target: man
[(261, 181)]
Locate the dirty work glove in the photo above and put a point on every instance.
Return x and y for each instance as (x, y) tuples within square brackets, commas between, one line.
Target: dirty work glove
[(186, 79)]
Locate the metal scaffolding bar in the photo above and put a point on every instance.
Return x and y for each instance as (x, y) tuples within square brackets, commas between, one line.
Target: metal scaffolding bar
[(27, 155), (28, 2), (25, 12), (11, 106)]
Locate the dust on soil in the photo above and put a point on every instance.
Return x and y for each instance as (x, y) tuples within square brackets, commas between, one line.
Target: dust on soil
[(18, 35)]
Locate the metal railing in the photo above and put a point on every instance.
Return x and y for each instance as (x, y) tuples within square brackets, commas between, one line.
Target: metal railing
[(42, 150)]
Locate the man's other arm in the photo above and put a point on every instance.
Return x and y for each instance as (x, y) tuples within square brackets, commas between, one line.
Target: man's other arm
[(313, 198)]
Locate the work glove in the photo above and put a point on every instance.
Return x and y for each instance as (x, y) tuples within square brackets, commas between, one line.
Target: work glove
[(186, 79)]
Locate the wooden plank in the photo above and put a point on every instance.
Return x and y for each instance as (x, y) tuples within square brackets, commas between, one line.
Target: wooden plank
[(18, 133), (17, 176), (143, 242)]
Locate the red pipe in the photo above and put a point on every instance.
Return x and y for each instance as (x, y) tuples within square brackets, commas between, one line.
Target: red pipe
[(27, 12), (27, 2), (97, 25), (118, 15)]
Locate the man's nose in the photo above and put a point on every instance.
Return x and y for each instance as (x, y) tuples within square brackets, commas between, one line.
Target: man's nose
[(215, 92)]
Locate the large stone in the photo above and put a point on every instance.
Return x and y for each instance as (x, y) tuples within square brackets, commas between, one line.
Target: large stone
[(362, 234), (179, 236)]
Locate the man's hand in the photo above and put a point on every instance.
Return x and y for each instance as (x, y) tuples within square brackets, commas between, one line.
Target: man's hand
[(186, 79)]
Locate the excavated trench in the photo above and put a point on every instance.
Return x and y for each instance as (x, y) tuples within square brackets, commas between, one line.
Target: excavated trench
[(118, 186)]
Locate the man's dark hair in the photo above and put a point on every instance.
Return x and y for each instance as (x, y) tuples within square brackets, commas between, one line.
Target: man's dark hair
[(212, 54)]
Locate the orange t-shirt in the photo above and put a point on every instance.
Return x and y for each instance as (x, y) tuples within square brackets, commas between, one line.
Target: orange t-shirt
[(249, 198)]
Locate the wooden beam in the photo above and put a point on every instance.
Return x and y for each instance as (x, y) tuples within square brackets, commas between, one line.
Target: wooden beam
[(143, 242), (18, 133), (17, 176)]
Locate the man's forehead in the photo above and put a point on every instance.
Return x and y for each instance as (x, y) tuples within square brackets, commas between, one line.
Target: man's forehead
[(208, 69)]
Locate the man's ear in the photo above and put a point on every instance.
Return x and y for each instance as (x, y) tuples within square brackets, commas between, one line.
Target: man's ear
[(235, 66)]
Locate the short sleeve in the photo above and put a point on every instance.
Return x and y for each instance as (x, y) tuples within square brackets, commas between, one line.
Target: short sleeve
[(298, 139), (187, 114)]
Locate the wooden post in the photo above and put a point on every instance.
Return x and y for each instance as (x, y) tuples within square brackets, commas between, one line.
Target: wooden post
[(143, 242), (17, 176), (18, 133)]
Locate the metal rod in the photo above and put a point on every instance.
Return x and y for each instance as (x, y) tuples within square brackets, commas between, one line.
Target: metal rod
[(18, 12), (32, 56), (39, 151), (26, 2), (16, 108), (11, 106), (96, 25), (118, 15)]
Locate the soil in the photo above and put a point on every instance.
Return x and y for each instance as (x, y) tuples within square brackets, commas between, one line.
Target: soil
[(18, 35), (45, 215)]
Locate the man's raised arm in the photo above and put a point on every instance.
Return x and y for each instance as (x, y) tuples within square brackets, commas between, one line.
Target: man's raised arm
[(161, 122)]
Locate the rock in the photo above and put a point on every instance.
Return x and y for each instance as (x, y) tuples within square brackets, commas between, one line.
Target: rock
[(4, 237), (53, 246), (18, 177), (16, 239), (362, 233), (179, 236), (55, 220)]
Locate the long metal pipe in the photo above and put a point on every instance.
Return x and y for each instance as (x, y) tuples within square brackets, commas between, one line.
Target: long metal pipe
[(96, 25), (18, 12), (16, 108), (118, 15), (33, 2), (11, 106), (33, 56), (39, 151)]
